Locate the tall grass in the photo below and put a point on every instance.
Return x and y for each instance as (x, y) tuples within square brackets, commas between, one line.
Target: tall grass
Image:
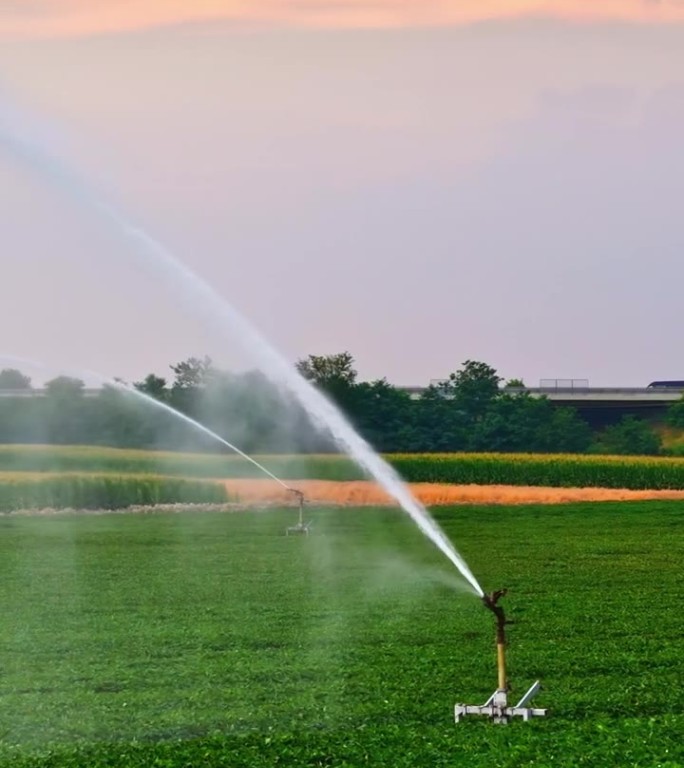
[(50, 458), (25, 491), (53, 458)]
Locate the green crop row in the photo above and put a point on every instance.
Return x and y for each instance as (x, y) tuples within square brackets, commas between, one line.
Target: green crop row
[(561, 470), (102, 491), (51, 458)]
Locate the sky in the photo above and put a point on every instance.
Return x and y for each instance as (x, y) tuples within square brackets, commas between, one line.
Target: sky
[(417, 183)]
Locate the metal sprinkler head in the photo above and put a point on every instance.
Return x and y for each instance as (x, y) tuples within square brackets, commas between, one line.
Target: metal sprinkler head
[(496, 707), (301, 526), (491, 602)]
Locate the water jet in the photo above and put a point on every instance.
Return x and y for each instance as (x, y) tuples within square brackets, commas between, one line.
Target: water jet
[(496, 707), (208, 305), (131, 390)]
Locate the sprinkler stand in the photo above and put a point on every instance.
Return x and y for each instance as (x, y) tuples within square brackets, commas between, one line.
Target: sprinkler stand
[(301, 527), (496, 707)]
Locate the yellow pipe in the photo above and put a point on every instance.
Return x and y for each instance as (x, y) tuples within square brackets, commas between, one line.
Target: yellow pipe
[(491, 602), (501, 664)]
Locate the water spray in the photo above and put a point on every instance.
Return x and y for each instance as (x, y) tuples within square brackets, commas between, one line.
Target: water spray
[(301, 527), (496, 707), (218, 313)]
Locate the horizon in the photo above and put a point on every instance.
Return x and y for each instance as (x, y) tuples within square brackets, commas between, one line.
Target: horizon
[(94, 382)]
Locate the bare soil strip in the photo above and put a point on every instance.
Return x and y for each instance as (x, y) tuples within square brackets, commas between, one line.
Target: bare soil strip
[(366, 493)]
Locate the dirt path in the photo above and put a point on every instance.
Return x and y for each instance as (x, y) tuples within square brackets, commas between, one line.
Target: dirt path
[(362, 493)]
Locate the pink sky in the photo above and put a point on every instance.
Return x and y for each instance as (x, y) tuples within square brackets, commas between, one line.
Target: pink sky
[(506, 191), (22, 19)]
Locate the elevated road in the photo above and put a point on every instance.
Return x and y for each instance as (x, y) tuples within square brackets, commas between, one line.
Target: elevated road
[(41, 392), (587, 396)]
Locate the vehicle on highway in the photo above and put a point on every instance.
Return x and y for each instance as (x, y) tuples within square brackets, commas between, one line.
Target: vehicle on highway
[(666, 385)]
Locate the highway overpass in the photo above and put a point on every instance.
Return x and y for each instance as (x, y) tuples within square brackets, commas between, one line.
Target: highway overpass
[(640, 396), (598, 405), (41, 392)]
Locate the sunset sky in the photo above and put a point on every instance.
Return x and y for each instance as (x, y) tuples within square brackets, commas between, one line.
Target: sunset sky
[(416, 182), (49, 18)]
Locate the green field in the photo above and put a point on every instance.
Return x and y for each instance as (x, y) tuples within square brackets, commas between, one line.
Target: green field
[(554, 470), (209, 639)]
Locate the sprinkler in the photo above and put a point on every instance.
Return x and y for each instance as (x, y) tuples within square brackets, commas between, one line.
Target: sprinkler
[(301, 526), (496, 707)]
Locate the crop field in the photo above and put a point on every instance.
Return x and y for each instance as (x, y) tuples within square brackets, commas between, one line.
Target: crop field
[(212, 639), (26, 490), (550, 470)]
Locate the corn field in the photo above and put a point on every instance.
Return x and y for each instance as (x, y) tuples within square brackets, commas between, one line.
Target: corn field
[(73, 491), (551, 470)]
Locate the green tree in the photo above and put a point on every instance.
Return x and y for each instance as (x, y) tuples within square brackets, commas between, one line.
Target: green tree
[(246, 409), (154, 386), (335, 375), (630, 436), (521, 422), (566, 432), (440, 425), (22, 420), (474, 387), (69, 419), (511, 423), (192, 376), (11, 378), (119, 417), (385, 416), (328, 370), (192, 373), (64, 387), (675, 414)]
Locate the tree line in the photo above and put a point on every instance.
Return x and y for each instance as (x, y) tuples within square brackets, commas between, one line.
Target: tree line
[(471, 410)]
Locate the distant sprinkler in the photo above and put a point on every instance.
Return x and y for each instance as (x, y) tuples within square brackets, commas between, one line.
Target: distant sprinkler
[(301, 527), (496, 707)]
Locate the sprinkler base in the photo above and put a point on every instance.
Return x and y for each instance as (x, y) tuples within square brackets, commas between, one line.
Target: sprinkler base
[(496, 707), (300, 528)]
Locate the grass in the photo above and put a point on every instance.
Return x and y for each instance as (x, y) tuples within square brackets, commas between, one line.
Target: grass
[(204, 639), (551, 470)]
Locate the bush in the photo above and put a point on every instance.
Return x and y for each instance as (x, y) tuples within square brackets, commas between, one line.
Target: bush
[(630, 436), (675, 414)]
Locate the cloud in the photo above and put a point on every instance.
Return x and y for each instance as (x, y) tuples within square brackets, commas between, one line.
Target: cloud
[(20, 19)]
